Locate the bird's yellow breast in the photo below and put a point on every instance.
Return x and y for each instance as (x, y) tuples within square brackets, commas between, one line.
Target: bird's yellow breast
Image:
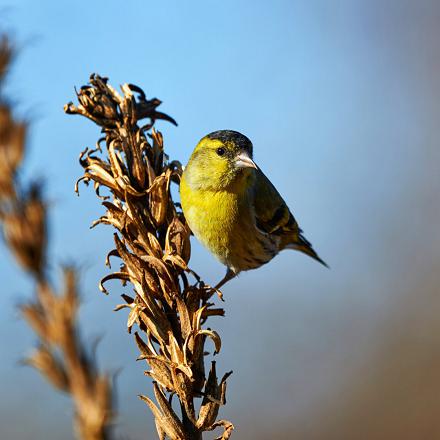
[(224, 222)]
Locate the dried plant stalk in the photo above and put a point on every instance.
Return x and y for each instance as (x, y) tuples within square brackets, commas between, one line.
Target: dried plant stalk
[(60, 357), (152, 241)]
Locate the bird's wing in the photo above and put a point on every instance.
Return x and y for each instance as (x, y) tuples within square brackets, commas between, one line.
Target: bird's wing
[(273, 216), (271, 212)]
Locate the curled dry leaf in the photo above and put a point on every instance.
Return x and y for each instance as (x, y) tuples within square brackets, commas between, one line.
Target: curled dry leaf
[(227, 426), (214, 336)]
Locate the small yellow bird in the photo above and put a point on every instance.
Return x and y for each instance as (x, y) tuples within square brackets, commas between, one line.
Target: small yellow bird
[(233, 208)]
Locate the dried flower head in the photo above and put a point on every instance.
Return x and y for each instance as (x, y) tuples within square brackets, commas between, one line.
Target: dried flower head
[(152, 241)]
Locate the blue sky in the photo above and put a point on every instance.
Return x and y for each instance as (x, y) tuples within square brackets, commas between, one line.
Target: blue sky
[(340, 101)]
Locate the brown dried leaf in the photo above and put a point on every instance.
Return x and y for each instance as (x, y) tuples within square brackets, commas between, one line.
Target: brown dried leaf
[(210, 404), (161, 371), (155, 312), (133, 316), (122, 276), (227, 426), (155, 246), (183, 388), (165, 277), (197, 318), (133, 264), (159, 197), (176, 261), (120, 307), (143, 347), (97, 172), (175, 350), (171, 425), (214, 336), (185, 321), (155, 329), (112, 253), (160, 432), (177, 240)]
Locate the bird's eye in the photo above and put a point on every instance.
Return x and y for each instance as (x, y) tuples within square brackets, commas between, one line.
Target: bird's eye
[(221, 151)]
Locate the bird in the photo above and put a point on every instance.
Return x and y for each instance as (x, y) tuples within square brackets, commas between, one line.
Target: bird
[(233, 209)]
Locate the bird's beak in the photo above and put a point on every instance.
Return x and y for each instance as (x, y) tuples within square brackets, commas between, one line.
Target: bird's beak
[(244, 161)]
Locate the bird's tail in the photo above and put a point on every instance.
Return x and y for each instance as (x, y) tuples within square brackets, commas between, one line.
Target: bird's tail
[(303, 245)]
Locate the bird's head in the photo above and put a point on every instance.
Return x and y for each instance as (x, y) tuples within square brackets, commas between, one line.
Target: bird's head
[(221, 159)]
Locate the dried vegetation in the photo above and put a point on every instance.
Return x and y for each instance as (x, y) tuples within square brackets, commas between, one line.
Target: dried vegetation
[(60, 356), (170, 304)]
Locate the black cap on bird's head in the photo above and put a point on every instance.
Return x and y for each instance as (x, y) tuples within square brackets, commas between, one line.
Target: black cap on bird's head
[(240, 141)]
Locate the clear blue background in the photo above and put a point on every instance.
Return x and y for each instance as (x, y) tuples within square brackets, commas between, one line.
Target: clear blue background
[(341, 100)]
